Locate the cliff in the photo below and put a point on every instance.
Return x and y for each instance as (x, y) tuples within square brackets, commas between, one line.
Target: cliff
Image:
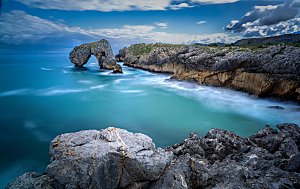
[(115, 158), (272, 71)]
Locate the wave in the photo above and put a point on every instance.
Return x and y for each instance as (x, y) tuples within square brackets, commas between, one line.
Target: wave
[(46, 69), (98, 86), (131, 91), (222, 100), (85, 81), (55, 92), (15, 92), (117, 81)]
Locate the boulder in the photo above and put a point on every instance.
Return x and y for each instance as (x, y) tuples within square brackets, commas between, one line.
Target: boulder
[(110, 158), (117, 69)]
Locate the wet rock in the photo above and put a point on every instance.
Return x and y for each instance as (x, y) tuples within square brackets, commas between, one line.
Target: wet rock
[(276, 107), (117, 69)]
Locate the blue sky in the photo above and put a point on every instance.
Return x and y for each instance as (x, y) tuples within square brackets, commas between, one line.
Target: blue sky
[(56, 24)]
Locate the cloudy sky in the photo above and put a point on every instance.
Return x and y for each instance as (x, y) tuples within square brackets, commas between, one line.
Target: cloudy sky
[(61, 24)]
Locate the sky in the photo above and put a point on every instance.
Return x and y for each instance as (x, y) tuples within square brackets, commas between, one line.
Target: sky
[(59, 25)]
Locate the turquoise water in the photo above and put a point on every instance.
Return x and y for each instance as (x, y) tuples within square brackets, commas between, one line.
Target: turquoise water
[(42, 95)]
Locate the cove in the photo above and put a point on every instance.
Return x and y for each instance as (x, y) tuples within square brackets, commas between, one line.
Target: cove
[(43, 95)]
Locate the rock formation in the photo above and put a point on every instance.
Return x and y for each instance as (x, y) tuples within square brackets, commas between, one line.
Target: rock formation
[(101, 50), (115, 158), (266, 72)]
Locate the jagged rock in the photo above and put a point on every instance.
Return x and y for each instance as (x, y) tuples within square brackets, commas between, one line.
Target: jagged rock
[(100, 49), (115, 158), (273, 71), (34, 181), (276, 107), (222, 143)]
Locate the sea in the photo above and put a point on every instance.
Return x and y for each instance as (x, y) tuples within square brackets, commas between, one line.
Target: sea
[(42, 95)]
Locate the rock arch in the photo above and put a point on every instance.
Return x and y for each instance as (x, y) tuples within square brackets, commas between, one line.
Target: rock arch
[(81, 54)]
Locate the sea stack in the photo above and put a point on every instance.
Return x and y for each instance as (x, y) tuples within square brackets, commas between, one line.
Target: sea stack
[(102, 50)]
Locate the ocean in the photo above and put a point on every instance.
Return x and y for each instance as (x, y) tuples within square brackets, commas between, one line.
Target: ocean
[(43, 95)]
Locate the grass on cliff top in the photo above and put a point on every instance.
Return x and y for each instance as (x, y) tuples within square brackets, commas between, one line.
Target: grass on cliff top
[(143, 48)]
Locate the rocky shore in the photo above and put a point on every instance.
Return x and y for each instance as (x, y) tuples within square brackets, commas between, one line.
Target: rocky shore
[(115, 158), (272, 71)]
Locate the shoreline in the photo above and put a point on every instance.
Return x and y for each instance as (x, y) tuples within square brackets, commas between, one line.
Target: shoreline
[(171, 74), (254, 72)]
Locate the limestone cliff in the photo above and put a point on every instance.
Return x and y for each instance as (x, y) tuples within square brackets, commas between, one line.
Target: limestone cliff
[(80, 55), (266, 72), (115, 158)]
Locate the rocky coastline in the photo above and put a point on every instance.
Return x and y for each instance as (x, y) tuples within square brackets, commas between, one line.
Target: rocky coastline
[(272, 71), (115, 158)]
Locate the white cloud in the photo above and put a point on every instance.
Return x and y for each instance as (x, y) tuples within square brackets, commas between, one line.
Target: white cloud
[(201, 22), (180, 6), (281, 28), (105, 5), (162, 25), (118, 5), (18, 27), (98, 5), (268, 20), (214, 1)]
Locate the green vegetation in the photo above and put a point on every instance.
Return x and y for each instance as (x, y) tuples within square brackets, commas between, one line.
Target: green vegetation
[(143, 48)]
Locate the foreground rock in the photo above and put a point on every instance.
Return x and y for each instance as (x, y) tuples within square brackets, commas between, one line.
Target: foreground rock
[(115, 158), (80, 55), (266, 72)]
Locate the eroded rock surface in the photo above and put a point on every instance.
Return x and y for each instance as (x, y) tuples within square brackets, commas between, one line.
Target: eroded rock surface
[(115, 158), (265, 72), (80, 55)]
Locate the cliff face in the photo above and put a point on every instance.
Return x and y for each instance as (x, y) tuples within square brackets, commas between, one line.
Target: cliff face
[(115, 158), (265, 72), (80, 55)]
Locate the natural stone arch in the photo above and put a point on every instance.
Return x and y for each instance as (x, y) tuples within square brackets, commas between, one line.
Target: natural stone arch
[(81, 54)]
